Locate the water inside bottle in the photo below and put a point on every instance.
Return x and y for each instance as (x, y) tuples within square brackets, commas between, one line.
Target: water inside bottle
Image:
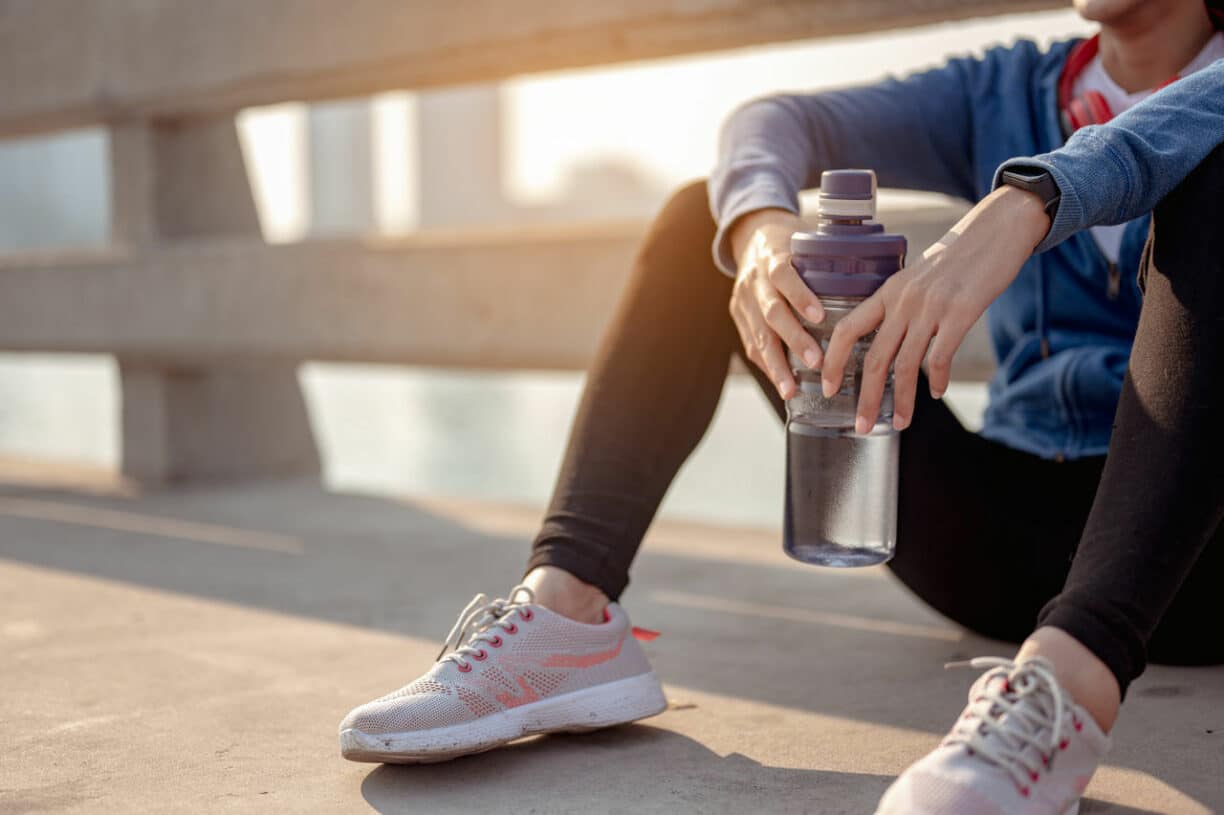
[(841, 495)]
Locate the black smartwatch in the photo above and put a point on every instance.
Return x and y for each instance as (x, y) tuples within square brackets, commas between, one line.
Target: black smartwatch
[(1037, 181)]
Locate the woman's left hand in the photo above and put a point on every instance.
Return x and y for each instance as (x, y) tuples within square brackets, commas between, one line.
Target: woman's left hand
[(925, 310)]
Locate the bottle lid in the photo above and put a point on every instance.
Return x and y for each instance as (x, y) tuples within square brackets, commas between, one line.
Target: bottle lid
[(848, 254), (847, 194)]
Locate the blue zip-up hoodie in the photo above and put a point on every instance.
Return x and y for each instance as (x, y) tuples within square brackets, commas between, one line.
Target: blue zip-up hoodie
[(1062, 331)]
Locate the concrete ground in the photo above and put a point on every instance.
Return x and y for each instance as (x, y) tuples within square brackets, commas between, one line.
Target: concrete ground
[(193, 651)]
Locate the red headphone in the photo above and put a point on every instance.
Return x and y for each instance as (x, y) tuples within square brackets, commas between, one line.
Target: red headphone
[(1090, 107)]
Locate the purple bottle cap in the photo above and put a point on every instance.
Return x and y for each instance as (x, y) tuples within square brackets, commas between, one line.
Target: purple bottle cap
[(847, 194), (843, 256)]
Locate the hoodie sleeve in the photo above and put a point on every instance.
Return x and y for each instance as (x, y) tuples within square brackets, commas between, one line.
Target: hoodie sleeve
[(916, 133), (1111, 173)]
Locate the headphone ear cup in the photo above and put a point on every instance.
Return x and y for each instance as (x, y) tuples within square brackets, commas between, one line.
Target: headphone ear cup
[(1088, 109), (1077, 114), (1098, 108)]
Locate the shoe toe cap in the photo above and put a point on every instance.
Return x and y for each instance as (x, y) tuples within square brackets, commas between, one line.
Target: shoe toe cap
[(362, 718), (920, 792), (406, 714)]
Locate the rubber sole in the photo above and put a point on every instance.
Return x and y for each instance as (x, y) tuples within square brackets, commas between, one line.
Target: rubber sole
[(612, 703), (1073, 809)]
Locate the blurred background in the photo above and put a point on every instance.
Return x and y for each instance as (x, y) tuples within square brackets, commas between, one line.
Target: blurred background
[(588, 146)]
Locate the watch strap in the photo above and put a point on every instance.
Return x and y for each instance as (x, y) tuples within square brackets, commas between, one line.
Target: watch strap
[(1037, 181)]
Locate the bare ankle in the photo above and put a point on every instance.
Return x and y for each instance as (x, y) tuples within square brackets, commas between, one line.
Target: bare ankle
[(1081, 673), (559, 591)]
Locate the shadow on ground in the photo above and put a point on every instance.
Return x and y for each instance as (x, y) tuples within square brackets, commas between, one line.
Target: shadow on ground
[(588, 771), (854, 647), (389, 565), (554, 769)]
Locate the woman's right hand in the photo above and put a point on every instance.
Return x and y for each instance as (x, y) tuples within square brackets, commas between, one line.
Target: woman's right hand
[(766, 288)]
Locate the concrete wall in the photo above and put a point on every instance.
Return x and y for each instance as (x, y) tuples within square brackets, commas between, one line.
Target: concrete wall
[(207, 322)]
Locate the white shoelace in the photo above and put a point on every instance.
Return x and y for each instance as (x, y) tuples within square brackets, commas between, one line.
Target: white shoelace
[(479, 623), (1004, 724)]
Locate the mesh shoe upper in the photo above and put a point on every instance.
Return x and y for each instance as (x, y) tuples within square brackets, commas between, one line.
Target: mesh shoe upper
[(1021, 747), (515, 654)]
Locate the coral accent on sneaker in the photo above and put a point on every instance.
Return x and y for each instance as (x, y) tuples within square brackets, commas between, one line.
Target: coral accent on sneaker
[(488, 687), (644, 634), (583, 660), (476, 703), (528, 695)]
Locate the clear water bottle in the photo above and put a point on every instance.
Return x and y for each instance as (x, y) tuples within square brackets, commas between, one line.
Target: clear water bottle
[(841, 487)]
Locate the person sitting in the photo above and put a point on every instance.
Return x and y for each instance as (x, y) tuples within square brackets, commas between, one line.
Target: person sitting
[(1083, 521)]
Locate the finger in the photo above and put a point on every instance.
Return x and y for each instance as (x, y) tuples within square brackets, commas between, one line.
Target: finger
[(906, 366), (863, 320), (782, 320), (745, 334), (948, 337), (769, 347), (876, 362), (786, 280), (778, 367)]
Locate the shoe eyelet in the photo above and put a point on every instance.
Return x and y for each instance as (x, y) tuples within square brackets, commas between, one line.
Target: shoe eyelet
[(527, 614), (481, 655), (1064, 744), (511, 628), (465, 667), (496, 642), (1024, 791), (1035, 776)]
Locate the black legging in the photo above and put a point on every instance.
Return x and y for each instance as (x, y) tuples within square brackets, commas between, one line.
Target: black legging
[(986, 534)]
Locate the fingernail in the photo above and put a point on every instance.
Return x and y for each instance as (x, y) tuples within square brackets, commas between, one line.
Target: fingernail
[(814, 314), (936, 394), (812, 358), (862, 426), (784, 388), (827, 388), (900, 422)]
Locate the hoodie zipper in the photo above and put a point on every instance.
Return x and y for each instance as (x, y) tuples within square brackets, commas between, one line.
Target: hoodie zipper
[(1115, 282)]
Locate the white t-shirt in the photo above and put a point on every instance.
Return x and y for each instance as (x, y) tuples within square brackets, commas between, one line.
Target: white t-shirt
[(1095, 78)]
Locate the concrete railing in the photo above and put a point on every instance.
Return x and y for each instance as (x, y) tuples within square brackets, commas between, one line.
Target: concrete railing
[(209, 323)]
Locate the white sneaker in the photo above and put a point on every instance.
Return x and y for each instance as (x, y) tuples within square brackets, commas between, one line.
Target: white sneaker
[(516, 669), (1021, 747)]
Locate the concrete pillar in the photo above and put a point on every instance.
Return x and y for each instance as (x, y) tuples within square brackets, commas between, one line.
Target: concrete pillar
[(341, 142), (222, 421), (52, 191), (459, 136)]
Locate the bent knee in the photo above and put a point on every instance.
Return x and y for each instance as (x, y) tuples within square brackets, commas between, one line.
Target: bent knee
[(681, 237), (687, 211), (689, 197), (1179, 217)]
